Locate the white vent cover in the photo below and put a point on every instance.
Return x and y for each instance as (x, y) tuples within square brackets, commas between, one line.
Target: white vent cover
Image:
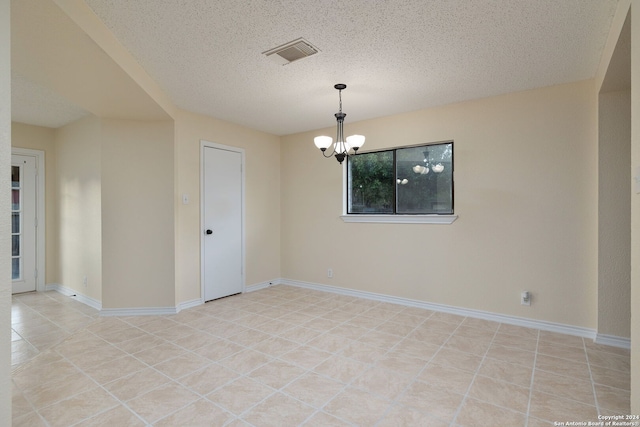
[(292, 51)]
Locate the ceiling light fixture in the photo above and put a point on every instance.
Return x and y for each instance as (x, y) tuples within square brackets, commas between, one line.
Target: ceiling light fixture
[(341, 147)]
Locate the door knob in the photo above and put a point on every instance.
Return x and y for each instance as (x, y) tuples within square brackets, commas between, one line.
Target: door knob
[(209, 231)]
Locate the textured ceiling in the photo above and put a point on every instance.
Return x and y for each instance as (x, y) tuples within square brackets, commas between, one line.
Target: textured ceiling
[(394, 56)]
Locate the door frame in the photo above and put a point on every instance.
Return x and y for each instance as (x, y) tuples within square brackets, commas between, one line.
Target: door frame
[(208, 144), (40, 212)]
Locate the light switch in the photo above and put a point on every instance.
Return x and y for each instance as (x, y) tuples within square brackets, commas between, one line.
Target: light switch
[(185, 199)]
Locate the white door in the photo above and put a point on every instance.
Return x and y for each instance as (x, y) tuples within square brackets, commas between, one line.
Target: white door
[(222, 232), (23, 223)]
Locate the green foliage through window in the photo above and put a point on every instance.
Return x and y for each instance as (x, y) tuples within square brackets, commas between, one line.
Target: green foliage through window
[(411, 180)]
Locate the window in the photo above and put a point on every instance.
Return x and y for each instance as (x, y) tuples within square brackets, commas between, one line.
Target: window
[(403, 181)]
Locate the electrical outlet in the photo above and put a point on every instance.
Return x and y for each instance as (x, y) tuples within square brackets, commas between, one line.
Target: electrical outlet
[(330, 273), (525, 298)]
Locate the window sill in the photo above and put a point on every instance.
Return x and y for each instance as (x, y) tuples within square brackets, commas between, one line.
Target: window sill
[(401, 219)]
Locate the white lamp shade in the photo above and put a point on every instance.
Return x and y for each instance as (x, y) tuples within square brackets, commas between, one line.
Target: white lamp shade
[(323, 141), (438, 168), (355, 141)]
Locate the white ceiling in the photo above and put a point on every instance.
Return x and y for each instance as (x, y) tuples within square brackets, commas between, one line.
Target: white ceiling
[(395, 56)]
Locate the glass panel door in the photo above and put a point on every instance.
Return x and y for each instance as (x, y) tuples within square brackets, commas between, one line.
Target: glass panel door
[(16, 223)]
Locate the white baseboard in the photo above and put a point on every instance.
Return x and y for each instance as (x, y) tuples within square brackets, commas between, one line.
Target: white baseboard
[(478, 314), (91, 302), (613, 341), (189, 304), (139, 311), (262, 285)]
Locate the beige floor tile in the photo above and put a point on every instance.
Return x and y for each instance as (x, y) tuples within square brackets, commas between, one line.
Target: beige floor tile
[(438, 402), (447, 317), (363, 352), (159, 354), (219, 349), (136, 384), (402, 363), (277, 373), (78, 408), (563, 367), (341, 368), (383, 382), (553, 408), (590, 345), (245, 361), (175, 332), (477, 346), (403, 416), (240, 395), (511, 354), (524, 342), (575, 354), (613, 399), (322, 419), (447, 377), (36, 373), (198, 414), (562, 339), (208, 379), (471, 332), (62, 388), (249, 337), (358, 407), (505, 371), (118, 416), (416, 348), (350, 349), (435, 325), (143, 343), (395, 328), (114, 369), (306, 357), (329, 342), (611, 377), (31, 419), (182, 365), (299, 334), (313, 389), (20, 405), (609, 360), (279, 410), (457, 359), (409, 319), (568, 387), (275, 346), (500, 393), (380, 339), (162, 401), (475, 412)]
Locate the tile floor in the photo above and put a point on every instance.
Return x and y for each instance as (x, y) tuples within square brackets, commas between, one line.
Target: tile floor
[(287, 356)]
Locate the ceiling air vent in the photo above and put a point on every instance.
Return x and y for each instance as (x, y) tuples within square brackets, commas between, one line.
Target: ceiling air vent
[(292, 51)]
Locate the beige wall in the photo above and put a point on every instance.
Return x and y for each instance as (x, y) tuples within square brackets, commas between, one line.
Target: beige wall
[(137, 202), (43, 139), (78, 228), (5, 228), (525, 193), (614, 213), (262, 180)]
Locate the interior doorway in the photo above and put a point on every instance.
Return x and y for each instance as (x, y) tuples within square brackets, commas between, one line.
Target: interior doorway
[(25, 221), (222, 204)]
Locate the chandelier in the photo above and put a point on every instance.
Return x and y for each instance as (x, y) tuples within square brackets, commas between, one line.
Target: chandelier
[(341, 147)]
